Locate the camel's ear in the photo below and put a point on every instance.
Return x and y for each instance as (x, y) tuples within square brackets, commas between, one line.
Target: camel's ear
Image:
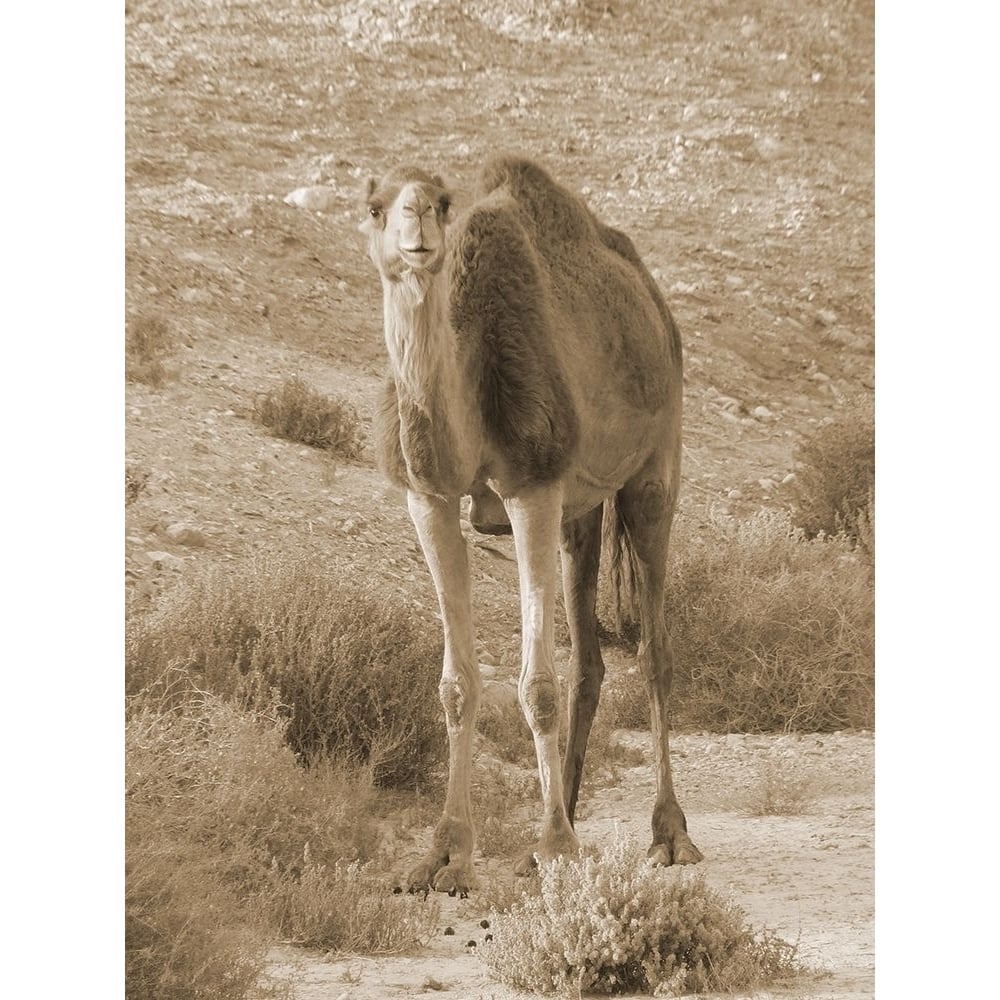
[(370, 188)]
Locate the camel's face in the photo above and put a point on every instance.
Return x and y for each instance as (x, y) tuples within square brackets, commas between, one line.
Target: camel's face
[(406, 218)]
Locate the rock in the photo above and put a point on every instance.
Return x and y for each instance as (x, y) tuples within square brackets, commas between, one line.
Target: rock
[(165, 560), (185, 534), (195, 296), (767, 485), (826, 317), (790, 478), (735, 494), (319, 198), (762, 413)]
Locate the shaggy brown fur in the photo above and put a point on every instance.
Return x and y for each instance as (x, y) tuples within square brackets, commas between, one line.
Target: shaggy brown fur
[(413, 447), (501, 311)]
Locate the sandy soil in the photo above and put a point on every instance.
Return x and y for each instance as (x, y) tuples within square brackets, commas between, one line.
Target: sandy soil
[(808, 876), (733, 141)]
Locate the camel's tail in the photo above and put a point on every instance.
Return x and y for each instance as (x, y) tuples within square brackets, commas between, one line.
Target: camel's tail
[(622, 568)]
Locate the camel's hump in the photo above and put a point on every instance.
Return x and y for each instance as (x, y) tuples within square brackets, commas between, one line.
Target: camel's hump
[(557, 213)]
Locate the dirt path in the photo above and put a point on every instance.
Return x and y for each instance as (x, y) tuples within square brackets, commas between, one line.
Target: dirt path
[(808, 876)]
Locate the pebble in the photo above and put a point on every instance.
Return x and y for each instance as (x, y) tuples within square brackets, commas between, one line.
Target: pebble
[(164, 560), (185, 534), (735, 495), (319, 198), (826, 316), (767, 484)]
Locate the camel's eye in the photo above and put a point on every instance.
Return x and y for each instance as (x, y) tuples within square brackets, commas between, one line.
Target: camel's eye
[(375, 212)]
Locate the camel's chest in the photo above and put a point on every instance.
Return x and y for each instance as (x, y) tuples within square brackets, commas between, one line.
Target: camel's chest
[(421, 444)]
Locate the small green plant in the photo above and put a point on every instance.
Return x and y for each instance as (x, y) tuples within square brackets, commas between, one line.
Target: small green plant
[(616, 924), (298, 412), (355, 672), (149, 341), (779, 791), (835, 482)]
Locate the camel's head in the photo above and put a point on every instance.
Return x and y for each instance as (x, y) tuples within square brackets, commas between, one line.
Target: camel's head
[(406, 215)]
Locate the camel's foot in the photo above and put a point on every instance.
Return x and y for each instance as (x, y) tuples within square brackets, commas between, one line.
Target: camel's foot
[(554, 841), (447, 867), (442, 875), (680, 851)]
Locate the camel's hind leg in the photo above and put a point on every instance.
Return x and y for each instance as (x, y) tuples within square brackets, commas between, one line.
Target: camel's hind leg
[(646, 507), (581, 557), (448, 865)]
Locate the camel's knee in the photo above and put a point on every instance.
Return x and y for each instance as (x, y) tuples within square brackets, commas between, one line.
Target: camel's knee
[(656, 663), (540, 701), (460, 697)]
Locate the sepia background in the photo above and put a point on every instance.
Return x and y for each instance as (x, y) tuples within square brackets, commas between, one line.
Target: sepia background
[(734, 142)]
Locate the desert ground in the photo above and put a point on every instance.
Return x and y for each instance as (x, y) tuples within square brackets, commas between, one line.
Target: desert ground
[(733, 141)]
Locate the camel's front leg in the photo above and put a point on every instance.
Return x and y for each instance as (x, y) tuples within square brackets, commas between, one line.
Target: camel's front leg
[(448, 865), (535, 518)]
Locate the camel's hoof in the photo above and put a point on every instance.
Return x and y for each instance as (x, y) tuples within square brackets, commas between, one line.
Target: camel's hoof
[(454, 879), (684, 852), (552, 845)]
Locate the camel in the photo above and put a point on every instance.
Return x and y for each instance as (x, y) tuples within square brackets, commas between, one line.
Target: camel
[(534, 367)]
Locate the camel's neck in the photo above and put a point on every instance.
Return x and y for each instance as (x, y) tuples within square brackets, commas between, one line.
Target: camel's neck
[(438, 425), (418, 336)]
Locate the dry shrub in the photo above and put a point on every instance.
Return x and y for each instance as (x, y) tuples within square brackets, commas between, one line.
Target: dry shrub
[(135, 482), (503, 725), (297, 412), (498, 796), (149, 341), (835, 482), (344, 908), (780, 791), (355, 673), (771, 631), (214, 797), (231, 842), (616, 924)]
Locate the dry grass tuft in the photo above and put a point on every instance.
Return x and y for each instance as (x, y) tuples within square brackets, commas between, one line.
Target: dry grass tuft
[(835, 482), (346, 909), (149, 341), (298, 412), (780, 791), (231, 843)]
